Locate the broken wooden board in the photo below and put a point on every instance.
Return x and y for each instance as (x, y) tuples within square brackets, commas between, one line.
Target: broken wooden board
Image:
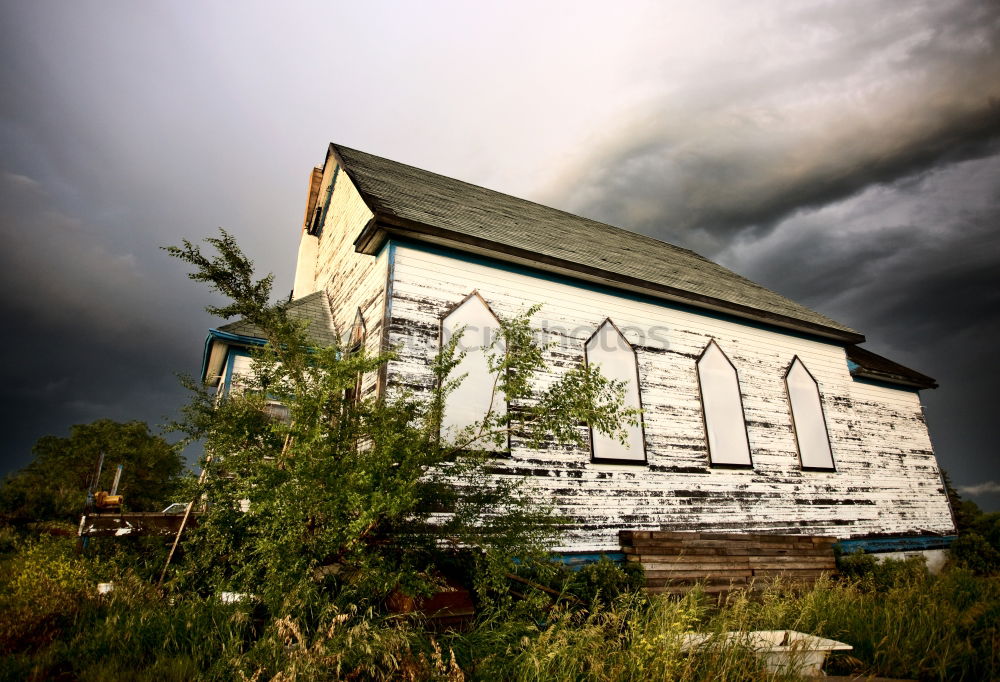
[(132, 523)]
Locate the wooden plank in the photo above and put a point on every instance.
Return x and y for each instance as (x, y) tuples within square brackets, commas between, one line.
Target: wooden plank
[(791, 560), (705, 560), (680, 574)]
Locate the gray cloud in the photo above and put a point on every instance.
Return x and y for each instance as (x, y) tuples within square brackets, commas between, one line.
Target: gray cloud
[(916, 267), (742, 145), (90, 334), (856, 171), (987, 487)]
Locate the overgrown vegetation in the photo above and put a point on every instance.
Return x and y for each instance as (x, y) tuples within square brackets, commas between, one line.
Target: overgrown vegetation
[(978, 545), (348, 500), (56, 626)]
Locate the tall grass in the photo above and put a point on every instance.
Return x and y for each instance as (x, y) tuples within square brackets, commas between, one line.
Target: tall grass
[(923, 627), (53, 625)]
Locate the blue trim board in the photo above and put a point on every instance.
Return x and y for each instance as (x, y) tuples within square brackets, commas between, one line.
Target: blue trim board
[(903, 544), (603, 289), (885, 384), (236, 338), (577, 560)]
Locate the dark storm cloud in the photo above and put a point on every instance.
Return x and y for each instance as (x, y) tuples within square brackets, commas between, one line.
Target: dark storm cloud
[(916, 267), (104, 127), (742, 146), (858, 175), (89, 334)]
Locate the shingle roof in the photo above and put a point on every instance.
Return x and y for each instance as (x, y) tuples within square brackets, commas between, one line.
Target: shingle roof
[(314, 309), (868, 365), (423, 205)]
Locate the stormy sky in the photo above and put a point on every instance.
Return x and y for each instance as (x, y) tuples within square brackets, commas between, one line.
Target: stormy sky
[(846, 154)]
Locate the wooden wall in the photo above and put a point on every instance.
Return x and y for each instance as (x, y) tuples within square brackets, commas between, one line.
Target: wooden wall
[(352, 281), (887, 480)]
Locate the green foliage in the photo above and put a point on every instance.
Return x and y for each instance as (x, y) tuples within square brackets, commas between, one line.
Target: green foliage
[(41, 591), (597, 583), (966, 512), (55, 626), (978, 545), (604, 581), (972, 551), (54, 485), (350, 499), (882, 574)]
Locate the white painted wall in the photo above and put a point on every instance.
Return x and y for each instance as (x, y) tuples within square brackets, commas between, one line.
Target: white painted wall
[(886, 480), (305, 268), (934, 559), (353, 281)]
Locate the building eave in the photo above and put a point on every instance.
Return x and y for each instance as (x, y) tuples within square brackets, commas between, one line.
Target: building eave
[(228, 339), (886, 378), (383, 227)]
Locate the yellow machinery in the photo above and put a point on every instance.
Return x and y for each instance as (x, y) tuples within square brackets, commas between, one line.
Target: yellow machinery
[(102, 499), (106, 500)]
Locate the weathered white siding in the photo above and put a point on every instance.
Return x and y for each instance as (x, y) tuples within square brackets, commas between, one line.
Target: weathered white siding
[(886, 481), (238, 364), (352, 281)]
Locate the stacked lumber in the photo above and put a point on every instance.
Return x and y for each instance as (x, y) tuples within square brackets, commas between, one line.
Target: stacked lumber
[(720, 562)]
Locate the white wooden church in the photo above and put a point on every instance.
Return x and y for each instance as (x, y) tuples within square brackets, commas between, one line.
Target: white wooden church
[(759, 415)]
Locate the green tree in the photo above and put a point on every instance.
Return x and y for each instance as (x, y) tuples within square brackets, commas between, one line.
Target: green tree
[(54, 484), (361, 496), (978, 543)]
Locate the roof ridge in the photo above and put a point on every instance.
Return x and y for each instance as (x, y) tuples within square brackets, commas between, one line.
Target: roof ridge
[(429, 206), (598, 223)]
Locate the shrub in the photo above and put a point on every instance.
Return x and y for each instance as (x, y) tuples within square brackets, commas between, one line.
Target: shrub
[(605, 580), (354, 498), (972, 551), (42, 591), (882, 574)]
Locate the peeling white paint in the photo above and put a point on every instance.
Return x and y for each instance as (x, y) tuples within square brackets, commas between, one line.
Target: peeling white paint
[(886, 478)]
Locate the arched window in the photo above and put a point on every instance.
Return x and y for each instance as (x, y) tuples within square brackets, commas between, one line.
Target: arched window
[(722, 403), (359, 331), (808, 421), (477, 395), (612, 352), (355, 342)]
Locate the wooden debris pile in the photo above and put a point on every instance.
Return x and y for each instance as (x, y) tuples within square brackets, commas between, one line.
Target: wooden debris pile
[(675, 561)]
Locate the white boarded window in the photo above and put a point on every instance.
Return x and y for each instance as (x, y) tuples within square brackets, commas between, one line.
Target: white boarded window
[(614, 355), (725, 427), (477, 395), (807, 418)]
